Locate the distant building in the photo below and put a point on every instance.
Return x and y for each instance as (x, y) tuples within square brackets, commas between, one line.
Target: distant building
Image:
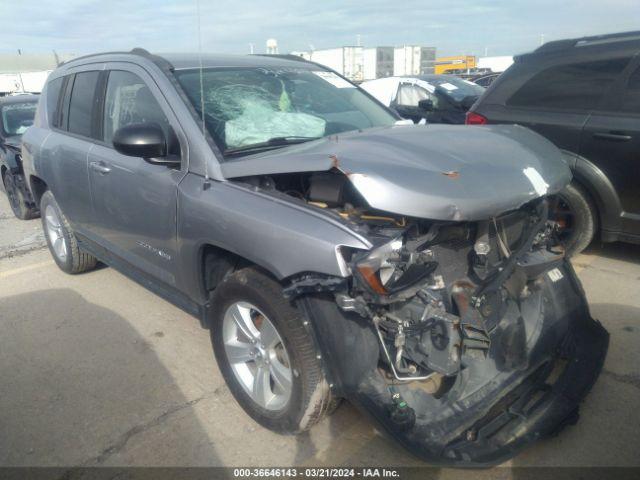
[(27, 72), (31, 62), (495, 64), (378, 62), (413, 60), (29, 82), (455, 64), (347, 61)]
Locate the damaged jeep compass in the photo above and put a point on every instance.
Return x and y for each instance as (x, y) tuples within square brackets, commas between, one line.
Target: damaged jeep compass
[(331, 251)]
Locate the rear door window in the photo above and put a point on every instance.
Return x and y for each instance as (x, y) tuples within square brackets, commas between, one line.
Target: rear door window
[(82, 103), (578, 86)]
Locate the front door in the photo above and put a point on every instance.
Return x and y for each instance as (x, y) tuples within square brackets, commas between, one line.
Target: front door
[(135, 201)]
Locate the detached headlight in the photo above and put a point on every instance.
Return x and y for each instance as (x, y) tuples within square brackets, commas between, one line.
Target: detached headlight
[(380, 267)]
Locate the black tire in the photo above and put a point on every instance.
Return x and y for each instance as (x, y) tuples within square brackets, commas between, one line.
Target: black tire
[(13, 185), (311, 398), (76, 260), (577, 211)]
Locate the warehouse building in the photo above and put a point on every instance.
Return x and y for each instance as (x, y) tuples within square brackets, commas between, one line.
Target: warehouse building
[(21, 72)]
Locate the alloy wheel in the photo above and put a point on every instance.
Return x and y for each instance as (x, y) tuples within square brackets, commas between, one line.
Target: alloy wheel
[(257, 356), (55, 233)]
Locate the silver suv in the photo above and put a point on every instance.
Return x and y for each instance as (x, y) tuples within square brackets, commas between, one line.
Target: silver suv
[(331, 251)]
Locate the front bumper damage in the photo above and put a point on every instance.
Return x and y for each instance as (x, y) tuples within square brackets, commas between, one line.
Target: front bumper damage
[(545, 354)]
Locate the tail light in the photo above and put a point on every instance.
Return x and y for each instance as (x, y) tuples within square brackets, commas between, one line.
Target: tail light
[(474, 118)]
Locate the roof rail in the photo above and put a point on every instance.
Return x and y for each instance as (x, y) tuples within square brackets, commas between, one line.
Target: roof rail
[(559, 45), (134, 51)]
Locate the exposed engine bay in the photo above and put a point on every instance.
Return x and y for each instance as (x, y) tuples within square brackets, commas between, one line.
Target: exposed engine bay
[(433, 290), (462, 339)]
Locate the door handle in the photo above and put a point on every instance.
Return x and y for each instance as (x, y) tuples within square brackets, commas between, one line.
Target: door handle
[(99, 167), (613, 136)]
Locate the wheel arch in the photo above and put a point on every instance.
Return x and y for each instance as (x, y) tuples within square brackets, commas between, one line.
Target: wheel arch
[(215, 263), (601, 191), (38, 188)]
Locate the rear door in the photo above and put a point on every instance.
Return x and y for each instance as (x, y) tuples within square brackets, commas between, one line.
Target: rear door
[(556, 99), (135, 201), (69, 144), (611, 140)]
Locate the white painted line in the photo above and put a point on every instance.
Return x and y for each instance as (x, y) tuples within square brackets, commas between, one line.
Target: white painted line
[(27, 268)]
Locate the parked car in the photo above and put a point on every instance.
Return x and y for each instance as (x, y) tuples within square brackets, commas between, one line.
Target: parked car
[(584, 95), (438, 98), (16, 115), (331, 252), (485, 80)]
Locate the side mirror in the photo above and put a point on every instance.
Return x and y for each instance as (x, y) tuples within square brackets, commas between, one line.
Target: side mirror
[(426, 105), (146, 140)]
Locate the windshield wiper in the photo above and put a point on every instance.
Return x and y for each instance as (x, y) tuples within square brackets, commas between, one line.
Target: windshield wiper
[(271, 143)]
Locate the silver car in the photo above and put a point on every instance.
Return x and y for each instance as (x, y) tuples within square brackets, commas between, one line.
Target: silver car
[(333, 252)]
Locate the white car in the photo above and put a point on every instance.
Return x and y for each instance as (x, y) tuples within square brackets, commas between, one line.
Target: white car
[(437, 98)]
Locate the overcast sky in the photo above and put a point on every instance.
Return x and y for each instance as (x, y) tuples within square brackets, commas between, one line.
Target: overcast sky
[(502, 27)]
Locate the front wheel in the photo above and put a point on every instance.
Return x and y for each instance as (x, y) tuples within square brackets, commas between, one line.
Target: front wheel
[(61, 240), (266, 354)]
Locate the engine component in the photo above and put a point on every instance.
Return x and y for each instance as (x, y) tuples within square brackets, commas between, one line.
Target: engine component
[(329, 188), (441, 345), (401, 414)]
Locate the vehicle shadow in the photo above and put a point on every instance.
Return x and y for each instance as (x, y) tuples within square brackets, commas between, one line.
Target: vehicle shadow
[(81, 387)]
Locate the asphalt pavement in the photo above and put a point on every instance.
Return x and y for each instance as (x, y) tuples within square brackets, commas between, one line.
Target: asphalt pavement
[(96, 370)]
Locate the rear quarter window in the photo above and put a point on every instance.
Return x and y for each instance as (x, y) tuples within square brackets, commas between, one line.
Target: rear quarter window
[(577, 86), (53, 97)]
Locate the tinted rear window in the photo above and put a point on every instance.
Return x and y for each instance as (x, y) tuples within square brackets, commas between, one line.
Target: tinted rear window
[(53, 95), (578, 86), (82, 100)]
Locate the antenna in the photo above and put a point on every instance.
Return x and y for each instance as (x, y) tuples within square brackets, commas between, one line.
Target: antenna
[(204, 132)]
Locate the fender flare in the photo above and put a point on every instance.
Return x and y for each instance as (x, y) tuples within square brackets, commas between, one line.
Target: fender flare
[(600, 188)]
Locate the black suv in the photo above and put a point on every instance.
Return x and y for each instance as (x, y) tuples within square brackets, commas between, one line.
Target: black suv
[(583, 95), (16, 115)]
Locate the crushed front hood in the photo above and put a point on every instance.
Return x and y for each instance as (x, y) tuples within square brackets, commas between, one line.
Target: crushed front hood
[(440, 172)]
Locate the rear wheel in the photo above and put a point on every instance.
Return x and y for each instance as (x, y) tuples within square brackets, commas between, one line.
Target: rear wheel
[(17, 199), (61, 240), (575, 215), (266, 354)]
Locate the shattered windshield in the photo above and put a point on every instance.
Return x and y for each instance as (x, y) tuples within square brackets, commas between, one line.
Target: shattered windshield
[(246, 108), (17, 117)]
